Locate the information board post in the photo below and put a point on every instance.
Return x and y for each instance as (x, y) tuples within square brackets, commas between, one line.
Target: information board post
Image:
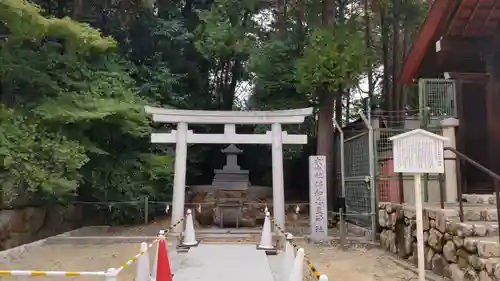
[(420, 226), (418, 152)]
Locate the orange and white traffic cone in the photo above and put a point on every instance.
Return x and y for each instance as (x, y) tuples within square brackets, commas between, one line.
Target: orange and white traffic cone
[(161, 235), (163, 271)]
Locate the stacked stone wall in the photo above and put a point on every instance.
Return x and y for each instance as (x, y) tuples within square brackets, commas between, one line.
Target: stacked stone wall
[(456, 250)]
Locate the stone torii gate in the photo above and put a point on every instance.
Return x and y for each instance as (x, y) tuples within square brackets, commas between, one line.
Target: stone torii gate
[(182, 136)]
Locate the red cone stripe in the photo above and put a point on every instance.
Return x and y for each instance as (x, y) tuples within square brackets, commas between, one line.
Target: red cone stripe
[(163, 272)]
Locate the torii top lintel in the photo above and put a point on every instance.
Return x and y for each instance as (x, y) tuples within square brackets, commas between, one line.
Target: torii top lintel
[(291, 116)]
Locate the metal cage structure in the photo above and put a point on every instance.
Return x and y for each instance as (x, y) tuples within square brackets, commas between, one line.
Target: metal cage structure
[(438, 96)]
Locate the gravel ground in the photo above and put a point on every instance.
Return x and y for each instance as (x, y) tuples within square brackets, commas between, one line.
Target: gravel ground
[(76, 258), (358, 263)]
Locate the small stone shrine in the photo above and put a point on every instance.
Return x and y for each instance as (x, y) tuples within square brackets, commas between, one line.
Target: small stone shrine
[(231, 200), (232, 193), (231, 176)]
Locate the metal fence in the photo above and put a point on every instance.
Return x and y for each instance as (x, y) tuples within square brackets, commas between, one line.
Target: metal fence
[(357, 174), (365, 165), (397, 187), (366, 173)]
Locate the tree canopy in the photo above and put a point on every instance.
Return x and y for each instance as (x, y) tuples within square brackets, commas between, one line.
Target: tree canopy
[(75, 76)]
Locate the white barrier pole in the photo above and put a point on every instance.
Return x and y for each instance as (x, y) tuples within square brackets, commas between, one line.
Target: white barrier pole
[(288, 258), (142, 271), (50, 273), (111, 274), (297, 273), (323, 278)]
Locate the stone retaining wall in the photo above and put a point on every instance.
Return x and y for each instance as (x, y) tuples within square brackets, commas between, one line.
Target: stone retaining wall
[(251, 213), (456, 250), (27, 224)]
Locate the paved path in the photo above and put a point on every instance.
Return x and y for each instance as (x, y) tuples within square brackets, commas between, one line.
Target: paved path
[(224, 263)]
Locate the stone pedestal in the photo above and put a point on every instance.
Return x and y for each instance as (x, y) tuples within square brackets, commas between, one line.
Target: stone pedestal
[(251, 214)]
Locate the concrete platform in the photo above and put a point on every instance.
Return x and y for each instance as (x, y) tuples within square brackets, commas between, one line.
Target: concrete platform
[(224, 263)]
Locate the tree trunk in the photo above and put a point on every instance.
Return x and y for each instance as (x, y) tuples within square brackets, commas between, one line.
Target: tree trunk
[(395, 63), (77, 9), (324, 145), (404, 92), (347, 106), (368, 38), (385, 60), (325, 114), (328, 13)]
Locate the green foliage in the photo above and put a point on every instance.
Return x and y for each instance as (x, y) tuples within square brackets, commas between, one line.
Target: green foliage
[(72, 121), (25, 21), (35, 159), (413, 13), (273, 60), (332, 58), (223, 32), (273, 64)]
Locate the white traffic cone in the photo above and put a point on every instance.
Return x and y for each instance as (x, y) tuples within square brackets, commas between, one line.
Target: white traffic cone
[(161, 234), (266, 237), (189, 239), (297, 273), (142, 271), (323, 278), (288, 258)]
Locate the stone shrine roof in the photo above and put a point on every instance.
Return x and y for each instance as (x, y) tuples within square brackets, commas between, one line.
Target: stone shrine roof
[(232, 149)]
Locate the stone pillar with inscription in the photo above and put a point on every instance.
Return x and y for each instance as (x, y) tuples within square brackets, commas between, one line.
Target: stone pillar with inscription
[(317, 197)]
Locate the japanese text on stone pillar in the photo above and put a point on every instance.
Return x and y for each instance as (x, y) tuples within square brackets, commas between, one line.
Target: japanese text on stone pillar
[(318, 211)]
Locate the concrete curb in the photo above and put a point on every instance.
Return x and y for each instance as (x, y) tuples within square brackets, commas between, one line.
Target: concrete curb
[(12, 253), (98, 240)]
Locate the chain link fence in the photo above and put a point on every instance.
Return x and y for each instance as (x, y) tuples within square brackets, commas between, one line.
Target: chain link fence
[(365, 162), (357, 177), (357, 173), (121, 212), (398, 187)]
